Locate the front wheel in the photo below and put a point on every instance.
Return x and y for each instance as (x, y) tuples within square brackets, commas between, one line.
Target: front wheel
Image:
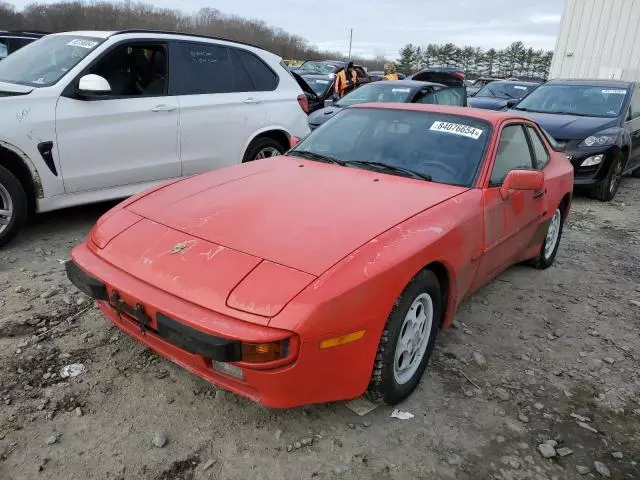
[(549, 248), (13, 206), (407, 341), (607, 190), (262, 148)]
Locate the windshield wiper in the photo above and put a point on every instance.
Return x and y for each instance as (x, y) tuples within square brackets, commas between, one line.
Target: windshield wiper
[(314, 156), (391, 168)]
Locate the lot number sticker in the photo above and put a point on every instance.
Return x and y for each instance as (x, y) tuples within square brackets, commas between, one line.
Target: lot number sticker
[(615, 92), (456, 129), (77, 42)]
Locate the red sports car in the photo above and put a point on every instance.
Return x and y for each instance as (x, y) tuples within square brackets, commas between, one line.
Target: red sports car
[(327, 273)]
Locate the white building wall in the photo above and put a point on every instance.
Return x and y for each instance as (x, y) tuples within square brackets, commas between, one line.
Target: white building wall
[(598, 39)]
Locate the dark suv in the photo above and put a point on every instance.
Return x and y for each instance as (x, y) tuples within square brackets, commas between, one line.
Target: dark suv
[(12, 41), (597, 123)]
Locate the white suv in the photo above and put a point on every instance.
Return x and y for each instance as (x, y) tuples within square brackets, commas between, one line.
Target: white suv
[(92, 116)]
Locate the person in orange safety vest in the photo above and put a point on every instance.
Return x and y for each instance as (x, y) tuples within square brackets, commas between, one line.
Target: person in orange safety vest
[(346, 80), (390, 72)]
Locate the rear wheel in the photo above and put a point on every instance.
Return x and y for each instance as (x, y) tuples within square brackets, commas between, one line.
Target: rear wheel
[(13, 206), (607, 190), (549, 248), (407, 341), (262, 148)]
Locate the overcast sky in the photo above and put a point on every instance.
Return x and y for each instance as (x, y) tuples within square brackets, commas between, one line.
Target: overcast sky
[(382, 27)]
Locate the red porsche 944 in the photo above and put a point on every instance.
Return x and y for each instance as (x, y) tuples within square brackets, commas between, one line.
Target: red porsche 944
[(326, 273)]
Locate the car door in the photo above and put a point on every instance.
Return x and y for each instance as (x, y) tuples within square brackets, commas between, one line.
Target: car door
[(219, 109), (126, 136), (509, 224), (632, 125)]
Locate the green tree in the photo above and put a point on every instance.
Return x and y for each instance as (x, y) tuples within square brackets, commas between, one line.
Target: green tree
[(407, 60)]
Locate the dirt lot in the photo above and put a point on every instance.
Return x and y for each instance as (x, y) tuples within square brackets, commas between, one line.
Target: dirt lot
[(554, 356)]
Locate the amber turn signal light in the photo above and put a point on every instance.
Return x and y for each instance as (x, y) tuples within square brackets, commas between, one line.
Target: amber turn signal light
[(344, 339), (264, 352)]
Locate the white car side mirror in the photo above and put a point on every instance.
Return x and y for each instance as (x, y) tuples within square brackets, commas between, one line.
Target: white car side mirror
[(93, 84)]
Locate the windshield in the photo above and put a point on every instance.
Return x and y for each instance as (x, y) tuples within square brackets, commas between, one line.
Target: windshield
[(44, 62), (317, 67), (376, 92), (591, 101), (319, 85), (506, 91), (447, 148)]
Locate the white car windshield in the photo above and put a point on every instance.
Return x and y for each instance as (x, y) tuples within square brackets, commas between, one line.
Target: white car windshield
[(44, 62)]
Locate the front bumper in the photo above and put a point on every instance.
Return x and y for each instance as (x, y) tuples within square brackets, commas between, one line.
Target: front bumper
[(593, 175), (310, 375)]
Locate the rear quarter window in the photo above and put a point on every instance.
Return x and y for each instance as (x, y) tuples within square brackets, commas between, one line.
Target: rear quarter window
[(263, 78)]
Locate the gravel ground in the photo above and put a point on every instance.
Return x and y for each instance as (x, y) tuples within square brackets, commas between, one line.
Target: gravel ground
[(541, 364)]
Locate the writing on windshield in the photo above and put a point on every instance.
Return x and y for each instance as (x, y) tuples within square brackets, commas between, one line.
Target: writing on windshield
[(443, 148), (585, 100)]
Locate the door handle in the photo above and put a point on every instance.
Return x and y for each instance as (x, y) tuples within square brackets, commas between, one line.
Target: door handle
[(539, 193), (252, 100), (163, 108)]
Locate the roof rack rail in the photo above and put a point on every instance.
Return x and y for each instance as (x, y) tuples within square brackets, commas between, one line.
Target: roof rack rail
[(195, 35)]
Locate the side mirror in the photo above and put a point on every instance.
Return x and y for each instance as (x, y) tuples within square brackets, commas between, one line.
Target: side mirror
[(512, 103), (517, 180), (93, 85)]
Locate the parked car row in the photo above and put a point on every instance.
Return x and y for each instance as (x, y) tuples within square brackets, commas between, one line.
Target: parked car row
[(353, 248)]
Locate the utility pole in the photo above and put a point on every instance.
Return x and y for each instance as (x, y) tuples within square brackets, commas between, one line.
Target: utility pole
[(350, 42)]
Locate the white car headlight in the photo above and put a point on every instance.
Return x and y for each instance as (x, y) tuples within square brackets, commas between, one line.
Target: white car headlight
[(599, 140), (591, 161)]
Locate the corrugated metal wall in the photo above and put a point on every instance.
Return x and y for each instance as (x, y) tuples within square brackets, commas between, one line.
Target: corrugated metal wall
[(598, 39)]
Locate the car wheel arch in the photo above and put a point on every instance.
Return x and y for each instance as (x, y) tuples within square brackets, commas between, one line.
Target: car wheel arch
[(444, 276), (19, 164), (277, 134)]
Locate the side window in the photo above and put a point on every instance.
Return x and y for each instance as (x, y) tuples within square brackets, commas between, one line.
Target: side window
[(4, 49), (426, 96), (542, 156), (261, 77), (513, 153), (134, 70), (448, 96), (635, 104), (199, 68), (361, 74)]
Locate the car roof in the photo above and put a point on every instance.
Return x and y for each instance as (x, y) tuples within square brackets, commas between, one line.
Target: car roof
[(490, 116), (105, 34), (406, 83), (515, 82), (591, 82)]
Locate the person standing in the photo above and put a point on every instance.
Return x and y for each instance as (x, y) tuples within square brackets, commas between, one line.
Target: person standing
[(390, 71), (346, 80)]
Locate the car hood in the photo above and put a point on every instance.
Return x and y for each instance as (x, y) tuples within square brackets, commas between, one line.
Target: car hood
[(569, 127), (10, 89), (296, 213), (320, 116), (488, 103)]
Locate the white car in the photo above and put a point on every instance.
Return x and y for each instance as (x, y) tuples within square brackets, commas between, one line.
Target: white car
[(92, 116)]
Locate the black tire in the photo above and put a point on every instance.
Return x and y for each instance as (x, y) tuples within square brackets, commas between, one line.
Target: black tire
[(384, 386), (542, 261), (261, 145), (606, 191), (636, 173), (10, 186)]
